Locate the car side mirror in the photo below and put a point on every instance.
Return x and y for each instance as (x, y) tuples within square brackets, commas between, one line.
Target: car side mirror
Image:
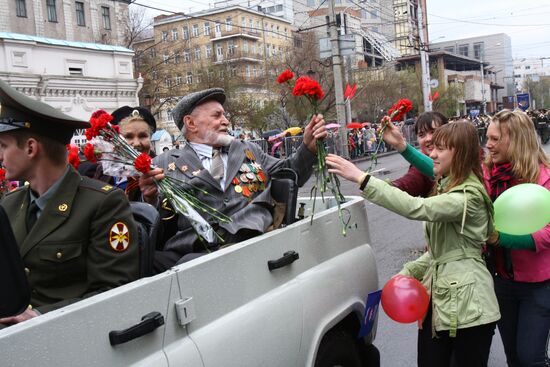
[(15, 292)]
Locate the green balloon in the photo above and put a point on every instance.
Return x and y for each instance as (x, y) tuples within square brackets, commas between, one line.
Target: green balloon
[(522, 209)]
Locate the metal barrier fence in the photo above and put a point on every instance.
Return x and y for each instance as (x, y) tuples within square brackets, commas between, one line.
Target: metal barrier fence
[(364, 148)]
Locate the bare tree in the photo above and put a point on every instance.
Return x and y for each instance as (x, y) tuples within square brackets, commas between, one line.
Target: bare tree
[(137, 26)]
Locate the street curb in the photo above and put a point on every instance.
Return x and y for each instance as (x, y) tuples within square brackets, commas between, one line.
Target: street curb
[(368, 158)]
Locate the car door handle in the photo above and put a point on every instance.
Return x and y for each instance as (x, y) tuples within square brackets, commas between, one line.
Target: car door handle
[(148, 323), (288, 258)]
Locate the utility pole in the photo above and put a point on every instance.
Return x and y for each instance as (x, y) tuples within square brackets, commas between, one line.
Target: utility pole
[(424, 62), (338, 86), (483, 101)]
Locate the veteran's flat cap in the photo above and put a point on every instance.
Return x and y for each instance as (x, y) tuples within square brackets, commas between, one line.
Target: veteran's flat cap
[(126, 111), (186, 105), (17, 111)]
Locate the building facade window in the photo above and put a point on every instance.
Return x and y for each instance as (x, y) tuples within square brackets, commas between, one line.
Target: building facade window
[(185, 32), (166, 58), (52, 12), (177, 57), (247, 71), (186, 56), (174, 34), (219, 52), (195, 30), (189, 78), (106, 16), (228, 24), (164, 36), (218, 28), (478, 50), (197, 53), (208, 51), (21, 8), (80, 19), (207, 29), (178, 79), (463, 50)]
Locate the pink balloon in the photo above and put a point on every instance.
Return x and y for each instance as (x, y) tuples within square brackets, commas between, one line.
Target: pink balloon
[(405, 299)]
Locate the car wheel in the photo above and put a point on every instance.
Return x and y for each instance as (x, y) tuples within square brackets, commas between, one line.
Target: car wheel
[(338, 349)]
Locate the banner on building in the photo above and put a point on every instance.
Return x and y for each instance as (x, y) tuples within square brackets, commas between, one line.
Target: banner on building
[(523, 101), (508, 102)]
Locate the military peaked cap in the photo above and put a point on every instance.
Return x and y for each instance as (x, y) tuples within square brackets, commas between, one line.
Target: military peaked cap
[(17, 111), (188, 103), (127, 111)]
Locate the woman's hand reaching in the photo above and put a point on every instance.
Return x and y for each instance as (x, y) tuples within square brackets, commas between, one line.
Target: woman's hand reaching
[(344, 168)]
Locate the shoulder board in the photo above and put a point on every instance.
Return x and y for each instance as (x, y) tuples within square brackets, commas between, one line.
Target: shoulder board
[(19, 189), (96, 185)]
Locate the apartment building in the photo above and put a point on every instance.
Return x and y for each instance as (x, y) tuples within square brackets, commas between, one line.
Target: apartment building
[(493, 49), (211, 48), (529, 68), (95, 21)]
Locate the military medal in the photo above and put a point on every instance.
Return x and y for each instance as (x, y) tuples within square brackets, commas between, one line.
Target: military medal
[(172, 167), (238, 189), (196, 173), (243, 177), (246, 191), (184, 168)]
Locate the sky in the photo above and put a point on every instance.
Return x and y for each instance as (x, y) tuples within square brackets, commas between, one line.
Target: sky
[(527, 22)]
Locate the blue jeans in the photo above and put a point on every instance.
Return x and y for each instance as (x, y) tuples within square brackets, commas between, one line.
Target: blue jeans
[(525, 321)]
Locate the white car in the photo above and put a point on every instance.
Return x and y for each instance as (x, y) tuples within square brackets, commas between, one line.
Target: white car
[(291, 297)]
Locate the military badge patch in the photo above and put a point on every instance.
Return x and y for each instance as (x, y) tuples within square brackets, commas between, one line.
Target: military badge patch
[(119, 237)]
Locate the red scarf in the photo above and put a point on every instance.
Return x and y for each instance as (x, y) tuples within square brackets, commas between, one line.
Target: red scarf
[(502, 178)]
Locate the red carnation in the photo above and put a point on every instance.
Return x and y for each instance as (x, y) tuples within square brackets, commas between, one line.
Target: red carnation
[(308, 87), (349, 93), (89, 153), (2, 174), (74, 159), (285, 76), (398, 110), (143, 163), (99, 121)]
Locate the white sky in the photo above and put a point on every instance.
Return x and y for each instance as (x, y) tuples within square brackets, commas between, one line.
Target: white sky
[(527, 22)]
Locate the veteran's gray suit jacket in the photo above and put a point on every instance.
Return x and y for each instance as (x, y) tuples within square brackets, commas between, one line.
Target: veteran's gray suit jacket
[(252, 213)]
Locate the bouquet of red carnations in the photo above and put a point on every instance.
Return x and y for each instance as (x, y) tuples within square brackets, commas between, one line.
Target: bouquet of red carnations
[(311, 89), (118, 158)]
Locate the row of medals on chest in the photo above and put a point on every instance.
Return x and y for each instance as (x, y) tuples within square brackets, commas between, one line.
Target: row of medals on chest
[(250, 178)]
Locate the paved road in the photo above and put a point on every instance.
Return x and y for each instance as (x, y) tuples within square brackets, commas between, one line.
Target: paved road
[(397, 240)]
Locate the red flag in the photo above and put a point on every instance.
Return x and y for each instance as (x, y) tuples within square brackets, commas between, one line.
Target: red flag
[(434, 96), (349, 93)]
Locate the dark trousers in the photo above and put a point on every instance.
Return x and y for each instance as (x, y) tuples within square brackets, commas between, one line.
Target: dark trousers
[(525, 323), (469, 348)]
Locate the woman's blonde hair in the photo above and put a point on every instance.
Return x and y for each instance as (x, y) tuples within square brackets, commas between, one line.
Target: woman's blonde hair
[(524, 152), (134, 116), (463, 139)]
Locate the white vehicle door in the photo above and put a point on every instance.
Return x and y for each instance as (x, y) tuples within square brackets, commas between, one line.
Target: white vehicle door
[(79, 334), (243, 314)]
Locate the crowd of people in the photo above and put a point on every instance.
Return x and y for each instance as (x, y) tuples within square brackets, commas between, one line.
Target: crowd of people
[(77, 236)]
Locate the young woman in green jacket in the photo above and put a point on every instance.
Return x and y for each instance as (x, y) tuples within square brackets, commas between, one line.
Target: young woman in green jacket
[(459, 326)]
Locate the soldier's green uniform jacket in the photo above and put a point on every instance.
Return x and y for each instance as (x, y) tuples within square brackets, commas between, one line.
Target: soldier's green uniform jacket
[(84, 242)]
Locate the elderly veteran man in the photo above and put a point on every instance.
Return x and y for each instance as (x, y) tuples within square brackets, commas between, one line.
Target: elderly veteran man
[(76, 235), (235, 173)]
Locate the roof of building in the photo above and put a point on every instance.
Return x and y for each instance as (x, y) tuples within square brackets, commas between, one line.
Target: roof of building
[(58, 42), (169, 18)]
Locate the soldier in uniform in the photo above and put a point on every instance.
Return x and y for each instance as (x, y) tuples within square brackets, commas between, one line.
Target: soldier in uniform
[(76, 235)]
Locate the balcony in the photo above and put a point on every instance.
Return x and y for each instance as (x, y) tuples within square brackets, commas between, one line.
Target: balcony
[(237, 56), (235, 33)]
